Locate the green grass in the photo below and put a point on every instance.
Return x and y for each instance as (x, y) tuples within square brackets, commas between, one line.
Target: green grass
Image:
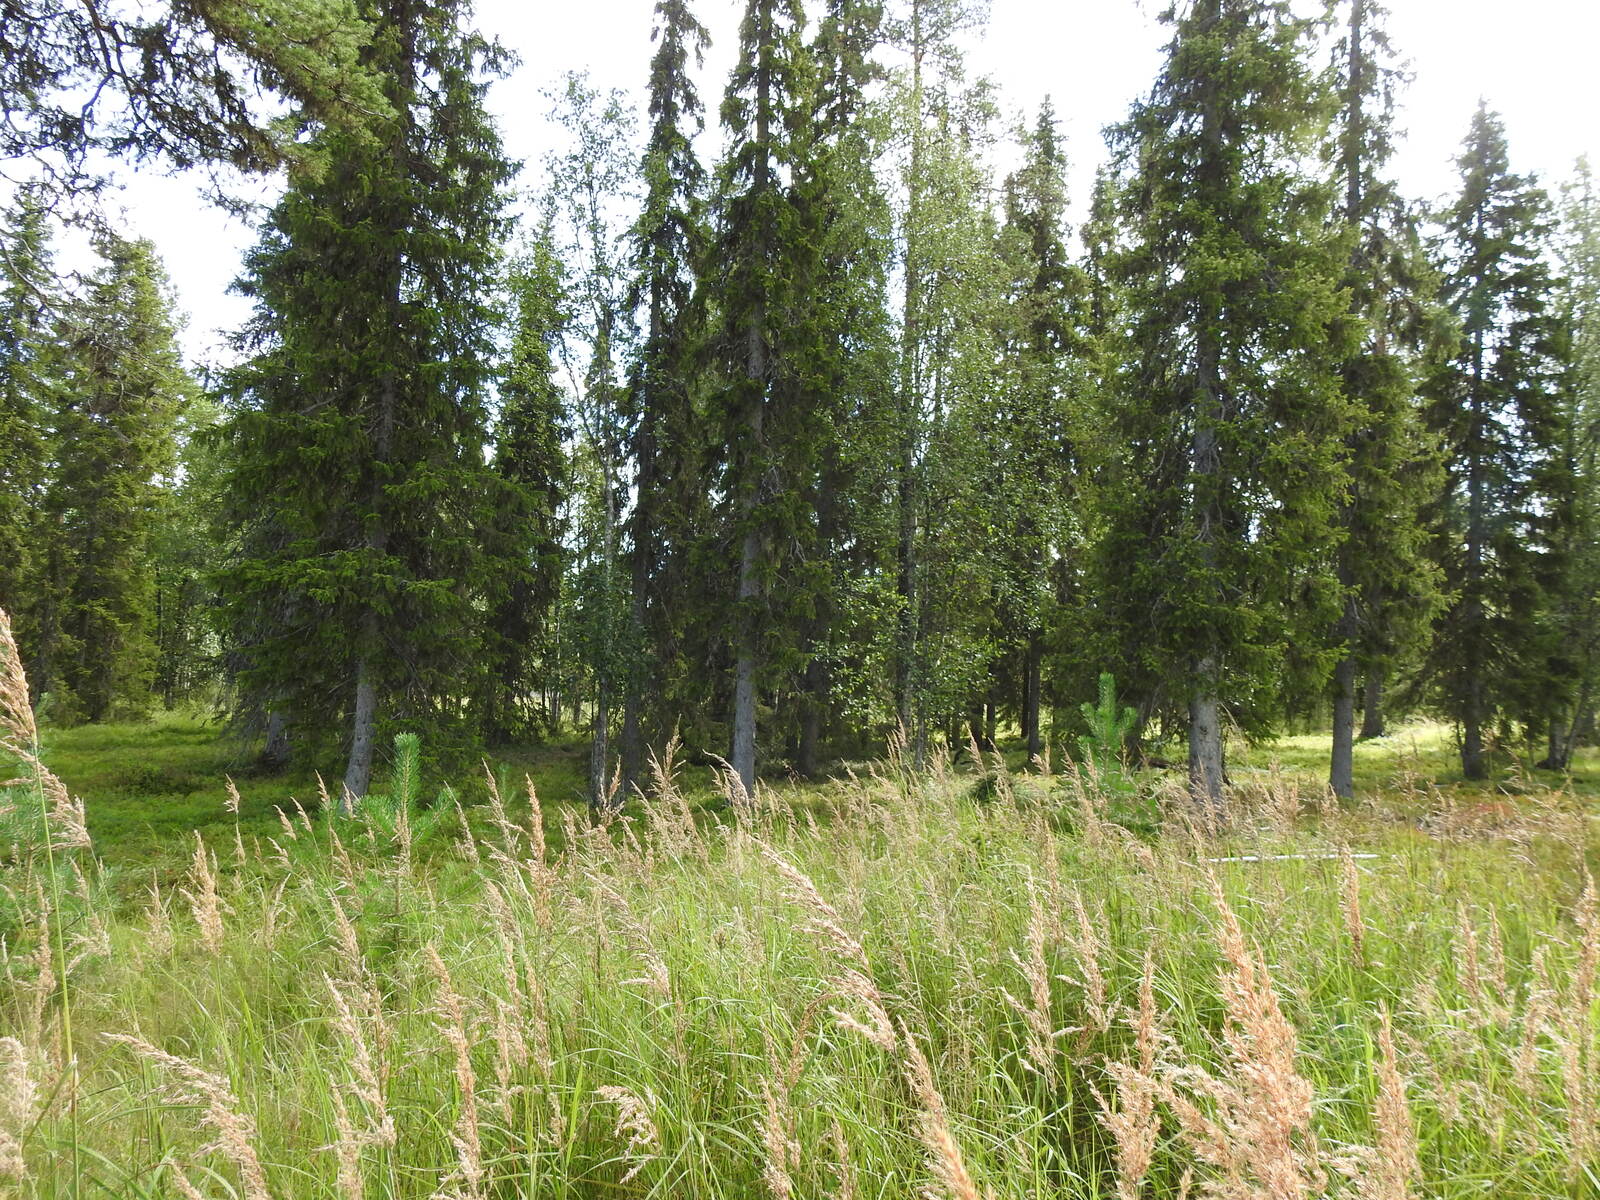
[(1427, 751), (148, 786), (674, 965)]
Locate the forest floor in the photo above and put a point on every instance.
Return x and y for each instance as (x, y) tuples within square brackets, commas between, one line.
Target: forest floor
[(149, 786)]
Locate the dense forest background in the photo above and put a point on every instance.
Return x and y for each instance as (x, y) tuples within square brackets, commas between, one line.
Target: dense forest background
[(840, 439)]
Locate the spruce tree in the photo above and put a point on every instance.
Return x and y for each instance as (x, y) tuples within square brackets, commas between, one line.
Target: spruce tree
[(764, 424), (122, 391), (1035, 434), (1573, 606), (1493, 406), (1228, 408), (184, 559), (29, 306), (847, 367), (358, 483), (668, 244), (524, 537), (1387, 579)]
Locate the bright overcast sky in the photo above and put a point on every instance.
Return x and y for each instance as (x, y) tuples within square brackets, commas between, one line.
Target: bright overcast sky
[(1533, 60)]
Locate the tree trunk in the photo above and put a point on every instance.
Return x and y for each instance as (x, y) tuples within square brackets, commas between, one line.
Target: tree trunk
[(363, 731), (1208, 515), (644, 674), (752, 549), (600, 739), (358, 771), (910, 405), (1205, 718), (1582, 718), (1555, 758), (1341, 767), (1341, 764), (1032, 689), (1474, 765), (599, 752), (811, 706), (364, 721), (275, 752), (975, 730), (1205, 743), (743, 759), (1474, 632), (630, 741), (1372, 707)]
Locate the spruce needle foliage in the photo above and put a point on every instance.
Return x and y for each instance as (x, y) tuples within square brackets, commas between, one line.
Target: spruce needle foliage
[(1227, 406), (358, 482)]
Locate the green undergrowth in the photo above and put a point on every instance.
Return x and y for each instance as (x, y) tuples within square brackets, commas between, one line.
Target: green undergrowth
[(147, 787), (886, 987)]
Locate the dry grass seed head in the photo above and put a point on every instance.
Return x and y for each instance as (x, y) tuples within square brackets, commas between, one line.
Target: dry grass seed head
[(347, 1148), (843, 1169), (19, 1098), (942, 1151), (452, 1026), (204, 901), (235, 1130), (1587, 918), (1350, 895), (368, 1084), (1394, 1163), (853, 979), (1036, 1012), (634, 1124), (1252, 1123)]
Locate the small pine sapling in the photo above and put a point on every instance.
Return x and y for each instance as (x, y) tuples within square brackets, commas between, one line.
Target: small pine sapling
[(1108, 728)]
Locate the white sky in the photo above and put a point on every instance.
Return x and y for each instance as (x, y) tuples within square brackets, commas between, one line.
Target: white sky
[(1535, 61)]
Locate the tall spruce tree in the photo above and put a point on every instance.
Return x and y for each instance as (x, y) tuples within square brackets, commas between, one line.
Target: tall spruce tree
[(1228, 409), (1035, 434), (1494, 407), (1387, 579), (1574, 595), (29, 307), (122, 390), (525, 533), (358, 479), (847, 368), (668, 246), (767, 429)]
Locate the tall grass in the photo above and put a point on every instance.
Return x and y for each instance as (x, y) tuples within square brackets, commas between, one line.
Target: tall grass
[(895, 990)]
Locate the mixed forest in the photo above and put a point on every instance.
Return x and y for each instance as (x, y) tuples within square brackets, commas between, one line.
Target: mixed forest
[(754, 657), (841, 436)]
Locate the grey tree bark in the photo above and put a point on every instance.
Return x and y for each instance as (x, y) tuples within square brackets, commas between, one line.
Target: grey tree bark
[(1341, 768), (1206, 778), (1372, 725), (275, 749)]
